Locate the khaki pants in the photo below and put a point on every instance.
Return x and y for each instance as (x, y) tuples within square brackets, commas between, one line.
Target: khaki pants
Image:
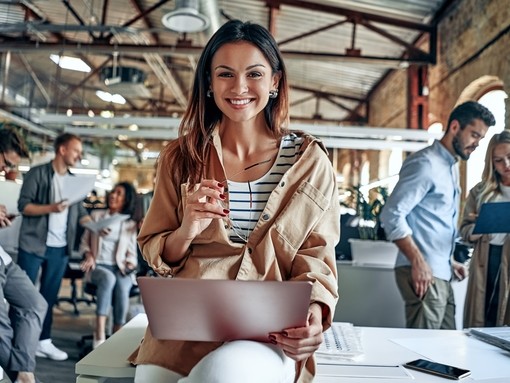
[(436, 310)]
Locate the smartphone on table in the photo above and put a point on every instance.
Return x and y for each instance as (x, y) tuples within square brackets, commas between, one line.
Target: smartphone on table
[(438, 369)]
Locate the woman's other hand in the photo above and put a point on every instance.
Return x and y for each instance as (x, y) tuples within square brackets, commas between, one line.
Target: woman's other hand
[(88, 264), (460, 271), (104, 232), (300, 343)]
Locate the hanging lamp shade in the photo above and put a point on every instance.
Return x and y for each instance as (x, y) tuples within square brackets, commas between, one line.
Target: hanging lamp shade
[(185, 18)]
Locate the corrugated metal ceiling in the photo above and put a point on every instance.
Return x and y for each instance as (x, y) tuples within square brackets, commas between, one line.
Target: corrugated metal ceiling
[(328, 80)]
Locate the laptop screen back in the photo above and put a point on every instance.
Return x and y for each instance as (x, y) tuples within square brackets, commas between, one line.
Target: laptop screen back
[(222, 310)]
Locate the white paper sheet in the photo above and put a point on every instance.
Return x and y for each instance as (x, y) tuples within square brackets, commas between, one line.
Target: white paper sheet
[(76, 188), (9, 194), (97, 226), (464, 352)]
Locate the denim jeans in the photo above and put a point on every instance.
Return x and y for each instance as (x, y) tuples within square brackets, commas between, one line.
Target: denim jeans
[(53, 266), (112, 289)]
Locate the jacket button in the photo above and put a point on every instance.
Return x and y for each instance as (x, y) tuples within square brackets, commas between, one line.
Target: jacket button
[(265, 217), (249, 250), (282, 184)]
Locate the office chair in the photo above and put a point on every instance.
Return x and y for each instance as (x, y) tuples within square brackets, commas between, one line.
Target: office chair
[(85, 343), (74, 273)]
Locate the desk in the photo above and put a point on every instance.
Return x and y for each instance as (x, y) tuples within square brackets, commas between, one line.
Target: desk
[(365, 290), (382, 346), (110, 359)]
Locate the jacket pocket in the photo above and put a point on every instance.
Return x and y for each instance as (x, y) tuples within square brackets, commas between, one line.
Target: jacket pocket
[(301, 214)]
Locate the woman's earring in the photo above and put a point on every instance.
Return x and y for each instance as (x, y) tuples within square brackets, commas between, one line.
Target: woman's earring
[(273, 93), (209, 93)]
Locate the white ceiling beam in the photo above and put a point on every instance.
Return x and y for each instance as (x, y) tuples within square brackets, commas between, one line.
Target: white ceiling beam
[(24, 123), (83, 119), (165, 128), (366, 132), (316, 129), (156, 134)]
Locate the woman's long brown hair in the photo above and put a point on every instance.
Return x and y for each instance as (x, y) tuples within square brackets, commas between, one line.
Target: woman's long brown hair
[(185, 157)]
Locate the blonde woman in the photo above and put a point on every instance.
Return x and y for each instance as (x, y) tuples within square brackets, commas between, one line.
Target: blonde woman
[(489, 281)]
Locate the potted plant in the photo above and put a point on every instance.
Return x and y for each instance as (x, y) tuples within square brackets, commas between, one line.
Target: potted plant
[(371, 247), (368, 210)]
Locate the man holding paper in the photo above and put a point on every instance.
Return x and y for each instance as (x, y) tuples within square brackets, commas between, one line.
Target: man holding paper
[(50, 217)]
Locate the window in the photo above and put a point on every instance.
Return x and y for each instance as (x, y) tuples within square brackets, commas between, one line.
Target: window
[(495, 102)]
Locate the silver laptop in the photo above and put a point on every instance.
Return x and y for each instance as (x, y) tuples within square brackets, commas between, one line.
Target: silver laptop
[(497, 336), (222, 310)]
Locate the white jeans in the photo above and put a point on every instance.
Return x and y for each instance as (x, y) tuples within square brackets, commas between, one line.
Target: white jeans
[(234, 362)]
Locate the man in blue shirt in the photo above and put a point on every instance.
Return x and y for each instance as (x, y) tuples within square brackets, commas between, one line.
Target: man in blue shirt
[(420, 216)]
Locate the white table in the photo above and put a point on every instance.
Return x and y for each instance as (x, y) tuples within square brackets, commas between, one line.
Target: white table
[(382, 346)]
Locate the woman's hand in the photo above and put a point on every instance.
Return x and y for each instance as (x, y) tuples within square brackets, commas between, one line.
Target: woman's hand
[(4, 219), (104, 232), (129, 267), (202, 207), (88, 264), (460, 271), (300, 343)]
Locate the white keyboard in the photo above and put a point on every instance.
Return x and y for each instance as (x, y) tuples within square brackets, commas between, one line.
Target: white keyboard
[(341, 340)]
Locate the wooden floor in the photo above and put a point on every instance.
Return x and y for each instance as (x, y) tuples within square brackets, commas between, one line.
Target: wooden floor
[(67, 331)]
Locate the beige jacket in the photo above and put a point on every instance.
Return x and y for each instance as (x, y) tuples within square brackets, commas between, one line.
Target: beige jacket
[(126, 250), (475, 296), (294, 239)]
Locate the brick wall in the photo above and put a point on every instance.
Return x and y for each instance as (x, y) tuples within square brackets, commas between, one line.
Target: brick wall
[(473, 42)]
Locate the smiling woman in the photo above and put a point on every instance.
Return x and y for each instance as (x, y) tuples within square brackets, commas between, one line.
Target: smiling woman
[(239, 196)]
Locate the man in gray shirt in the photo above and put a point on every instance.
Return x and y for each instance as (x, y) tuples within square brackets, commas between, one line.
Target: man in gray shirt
[(421, 216), (48, 229), (21, 319)]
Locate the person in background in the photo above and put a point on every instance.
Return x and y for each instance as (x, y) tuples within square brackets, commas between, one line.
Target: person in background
[(420, 216), (489, 279), (48, 229), (238, 196), (22, 308), (92, 201), (110, 256)]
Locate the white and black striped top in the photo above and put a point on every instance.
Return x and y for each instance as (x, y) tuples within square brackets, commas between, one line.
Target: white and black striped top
[(248, 199)]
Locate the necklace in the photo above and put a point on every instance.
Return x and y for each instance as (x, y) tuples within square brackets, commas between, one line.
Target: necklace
[(247, 168), (242, 231)]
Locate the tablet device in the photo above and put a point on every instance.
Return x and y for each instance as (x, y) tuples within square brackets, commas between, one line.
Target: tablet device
[(494, 217), (222, 310)]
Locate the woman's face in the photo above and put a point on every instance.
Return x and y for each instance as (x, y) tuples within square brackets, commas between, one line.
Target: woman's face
[(116, 199), (501, 161), (241, 78)]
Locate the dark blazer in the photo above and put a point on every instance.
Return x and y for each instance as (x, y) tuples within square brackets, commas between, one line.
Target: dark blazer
[(37, 188)]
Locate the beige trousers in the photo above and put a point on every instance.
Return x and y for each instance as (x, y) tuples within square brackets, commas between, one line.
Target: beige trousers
[(436, 310)]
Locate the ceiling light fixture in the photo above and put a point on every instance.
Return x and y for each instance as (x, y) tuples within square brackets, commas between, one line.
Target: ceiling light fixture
[(71, 63), (108, 97), (185, 18)]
